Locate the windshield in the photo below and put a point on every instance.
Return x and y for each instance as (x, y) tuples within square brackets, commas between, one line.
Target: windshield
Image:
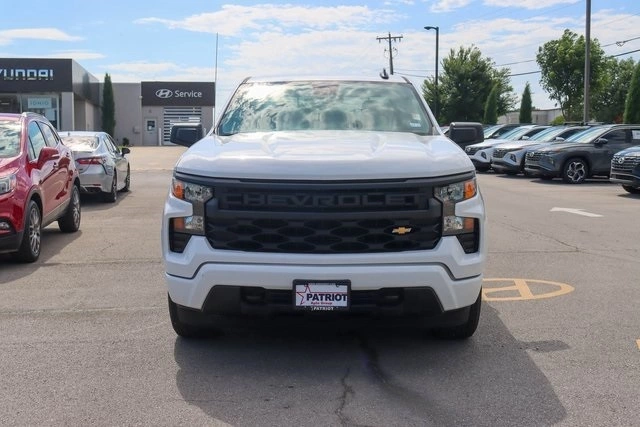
[(548, 134), (9, 138), (515, 133), (81, 143), (325, 105), (587, 135), (489, 130)]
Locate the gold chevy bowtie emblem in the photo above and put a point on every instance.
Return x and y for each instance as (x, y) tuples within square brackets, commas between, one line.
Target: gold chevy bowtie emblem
[(401, 230)]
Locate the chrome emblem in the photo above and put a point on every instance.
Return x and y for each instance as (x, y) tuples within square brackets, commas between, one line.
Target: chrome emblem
[(620, 160), (164, 93), (401, 230)]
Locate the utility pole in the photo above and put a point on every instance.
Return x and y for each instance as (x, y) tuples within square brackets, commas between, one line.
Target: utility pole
[(390, 38), (587, 63)]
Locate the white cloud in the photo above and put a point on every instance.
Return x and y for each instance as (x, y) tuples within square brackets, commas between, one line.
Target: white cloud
[(448, 5), (528, 4), (78, 55), (236, 20), (9, 36)]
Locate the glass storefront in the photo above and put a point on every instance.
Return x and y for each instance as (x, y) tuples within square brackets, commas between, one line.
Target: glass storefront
[(46, 104)]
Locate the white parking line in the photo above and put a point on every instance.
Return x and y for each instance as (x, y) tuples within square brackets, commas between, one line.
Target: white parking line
[(576, 211)]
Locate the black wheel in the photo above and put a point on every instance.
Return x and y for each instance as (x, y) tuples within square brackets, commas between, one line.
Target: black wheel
[(127, 180), (465, 330), (112, 196), (575, 171), (70, 221), (630, 189), (29, 250), (185, 330)]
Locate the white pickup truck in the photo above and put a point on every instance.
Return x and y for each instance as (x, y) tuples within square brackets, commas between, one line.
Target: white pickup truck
[(324, 196)]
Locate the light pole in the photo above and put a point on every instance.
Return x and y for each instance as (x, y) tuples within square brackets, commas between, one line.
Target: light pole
[(435, 106)]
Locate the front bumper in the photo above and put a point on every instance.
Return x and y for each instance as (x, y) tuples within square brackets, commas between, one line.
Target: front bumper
[(630, 177), (454, 276), (537, 168), (10, 242), (502, 166)]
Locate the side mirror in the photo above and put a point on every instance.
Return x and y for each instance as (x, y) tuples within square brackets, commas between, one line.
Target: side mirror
[(186, 134), (47, 154), (466, 133), (601, 141), (125, 150)]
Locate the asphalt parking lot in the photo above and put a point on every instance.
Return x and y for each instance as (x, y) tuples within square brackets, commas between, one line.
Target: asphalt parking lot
[(86, 338)]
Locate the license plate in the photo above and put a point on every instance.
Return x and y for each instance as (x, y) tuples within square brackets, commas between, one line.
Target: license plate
[(321, 295)]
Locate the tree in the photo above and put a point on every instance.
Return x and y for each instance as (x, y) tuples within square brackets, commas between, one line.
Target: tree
[(464, 86), (632, 107), (561, 64), (609, 102), (491, 107), (108, 106), (526, 106)]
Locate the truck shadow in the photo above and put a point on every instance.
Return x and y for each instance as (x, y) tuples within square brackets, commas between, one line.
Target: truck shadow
[(307, 374)]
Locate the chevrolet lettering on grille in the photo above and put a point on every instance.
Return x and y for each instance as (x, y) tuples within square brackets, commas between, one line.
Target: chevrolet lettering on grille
[(248, 200)]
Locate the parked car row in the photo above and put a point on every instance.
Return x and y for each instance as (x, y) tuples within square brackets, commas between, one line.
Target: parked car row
[(573, 153), (42, 176)]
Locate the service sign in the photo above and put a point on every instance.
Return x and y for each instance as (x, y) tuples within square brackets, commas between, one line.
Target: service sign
[(178, 94), (321, 295)]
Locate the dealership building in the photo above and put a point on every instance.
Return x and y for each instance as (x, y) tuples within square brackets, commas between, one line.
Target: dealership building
[(71, 98)]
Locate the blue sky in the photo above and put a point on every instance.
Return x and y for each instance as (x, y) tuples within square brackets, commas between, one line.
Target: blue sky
[(176, 40)]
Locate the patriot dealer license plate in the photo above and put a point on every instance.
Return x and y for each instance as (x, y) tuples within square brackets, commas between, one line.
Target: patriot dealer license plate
[(321, 295)]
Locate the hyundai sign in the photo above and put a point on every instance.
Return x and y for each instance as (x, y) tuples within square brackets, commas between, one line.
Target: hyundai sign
[(188, 94)]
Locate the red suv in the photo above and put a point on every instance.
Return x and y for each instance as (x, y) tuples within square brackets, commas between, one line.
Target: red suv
[(39, 184)]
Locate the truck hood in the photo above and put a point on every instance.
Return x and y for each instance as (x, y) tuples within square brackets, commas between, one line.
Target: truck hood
[(487, 143), (514, 145), (561, 146), (324, 155), (8, 164), (630, 152)]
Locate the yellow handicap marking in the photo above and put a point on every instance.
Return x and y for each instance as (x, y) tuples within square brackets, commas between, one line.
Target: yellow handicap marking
[(638, 342), (522, 289)]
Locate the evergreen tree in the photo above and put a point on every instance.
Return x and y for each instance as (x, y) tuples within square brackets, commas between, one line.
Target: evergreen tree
[(632, 106), (491, 107), (526, 106), (108, 107)]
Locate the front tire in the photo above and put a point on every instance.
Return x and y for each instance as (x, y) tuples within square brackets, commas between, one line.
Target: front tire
[(184, 330), (575, 171), (630, 189), (70, 221), (29, 250), (465, 330)]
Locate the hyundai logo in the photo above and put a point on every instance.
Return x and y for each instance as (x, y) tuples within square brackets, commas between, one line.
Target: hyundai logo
[(164, 93)]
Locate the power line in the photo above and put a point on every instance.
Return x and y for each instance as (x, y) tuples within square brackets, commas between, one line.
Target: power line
[(625, 53), (621, 43)]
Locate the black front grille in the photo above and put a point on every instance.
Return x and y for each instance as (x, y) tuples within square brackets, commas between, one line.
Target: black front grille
[(324, 218), (623, 164), (534, 156), (499, 153)]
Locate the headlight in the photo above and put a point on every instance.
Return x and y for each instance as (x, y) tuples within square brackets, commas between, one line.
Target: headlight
[(197, 195), (449, 195), (8, 183)]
